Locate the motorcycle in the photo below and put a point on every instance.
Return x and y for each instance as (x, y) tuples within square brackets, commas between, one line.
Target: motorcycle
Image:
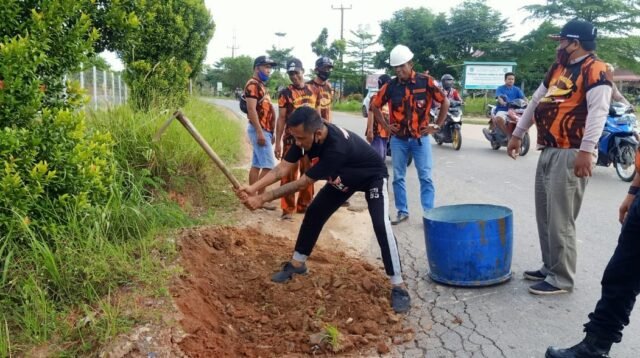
[(451, 131), (497, 138), (618, 144)]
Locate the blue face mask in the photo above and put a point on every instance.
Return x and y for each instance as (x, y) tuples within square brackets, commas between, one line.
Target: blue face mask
[(263, 76)]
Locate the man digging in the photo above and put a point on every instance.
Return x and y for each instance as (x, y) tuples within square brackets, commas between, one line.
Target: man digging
[(348, 164)]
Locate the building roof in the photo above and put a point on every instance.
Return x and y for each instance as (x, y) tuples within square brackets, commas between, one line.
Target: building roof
[(623, 75)]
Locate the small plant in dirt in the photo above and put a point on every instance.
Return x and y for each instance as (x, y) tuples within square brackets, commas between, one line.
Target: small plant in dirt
[(332, 336), (320, 312)]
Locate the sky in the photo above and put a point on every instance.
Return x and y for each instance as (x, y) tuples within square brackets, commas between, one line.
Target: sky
[(255, 23)]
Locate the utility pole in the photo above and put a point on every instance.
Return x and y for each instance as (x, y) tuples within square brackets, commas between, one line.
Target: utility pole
[(234, 46), (342, 9)]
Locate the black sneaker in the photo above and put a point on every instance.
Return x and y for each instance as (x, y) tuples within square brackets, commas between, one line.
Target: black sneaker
[(545, 288), (400, 300), (590, 347), (400, 218), (536, 275), (287, 272)]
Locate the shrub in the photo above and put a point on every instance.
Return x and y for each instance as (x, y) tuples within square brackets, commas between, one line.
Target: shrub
[(356, 97), (48, 166)]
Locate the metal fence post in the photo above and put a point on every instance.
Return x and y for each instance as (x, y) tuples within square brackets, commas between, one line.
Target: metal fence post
[(95, 89), (119, 90), (113, 87), (104, 86), (82, 76)]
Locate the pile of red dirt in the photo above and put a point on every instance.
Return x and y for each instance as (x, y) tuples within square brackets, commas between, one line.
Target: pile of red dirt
[(231, 308)]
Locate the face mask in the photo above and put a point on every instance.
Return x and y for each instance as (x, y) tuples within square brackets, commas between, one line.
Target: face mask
[(263, 76), (315, 146), (324, 75), (446, 85), (562, 56)]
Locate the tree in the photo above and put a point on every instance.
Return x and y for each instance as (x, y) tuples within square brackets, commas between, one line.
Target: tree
[(534, 54), (235, 71), (359, 50), (614, 17), (281, 56), (417, 29), (164, 46), (321, 48), (51, 165), (616, 21), (472, 26)]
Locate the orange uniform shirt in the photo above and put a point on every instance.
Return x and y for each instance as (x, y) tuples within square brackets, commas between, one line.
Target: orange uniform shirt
[(293, 97), (378, 129), (561, 114), (266, 115), (324, 98), (409, 102)]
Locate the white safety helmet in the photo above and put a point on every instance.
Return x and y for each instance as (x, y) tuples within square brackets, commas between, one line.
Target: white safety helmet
[(400, 55)]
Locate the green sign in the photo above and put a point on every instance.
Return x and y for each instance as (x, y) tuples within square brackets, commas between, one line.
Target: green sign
[(485, 75)]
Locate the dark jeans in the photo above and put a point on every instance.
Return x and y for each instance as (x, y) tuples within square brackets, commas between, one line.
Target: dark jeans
[(620, 282), (328, 201)]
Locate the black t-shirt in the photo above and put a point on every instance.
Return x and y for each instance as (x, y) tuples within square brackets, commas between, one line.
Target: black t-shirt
[(345, 160)]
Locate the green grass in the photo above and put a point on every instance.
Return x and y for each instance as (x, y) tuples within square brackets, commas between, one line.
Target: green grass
[(475, 106), (348, 106), (332, 336), (62, 291)]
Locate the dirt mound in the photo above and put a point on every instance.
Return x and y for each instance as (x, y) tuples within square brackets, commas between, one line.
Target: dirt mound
[(231, 308)]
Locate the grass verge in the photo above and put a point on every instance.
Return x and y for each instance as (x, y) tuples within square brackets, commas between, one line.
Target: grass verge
[(59, 296)]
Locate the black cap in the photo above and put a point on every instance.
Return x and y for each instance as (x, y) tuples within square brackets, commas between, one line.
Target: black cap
[(264, 60), (577, 30), (383, 79), (294, 64), (323, 62)]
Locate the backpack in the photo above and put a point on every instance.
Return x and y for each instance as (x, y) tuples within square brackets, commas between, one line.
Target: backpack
[(243, 102)]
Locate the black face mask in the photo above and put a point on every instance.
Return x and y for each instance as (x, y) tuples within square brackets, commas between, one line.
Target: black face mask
[(315, 146), (562, 56), (324, 75)]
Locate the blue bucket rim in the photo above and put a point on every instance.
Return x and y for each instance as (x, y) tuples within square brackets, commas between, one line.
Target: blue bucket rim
[(426, 213)]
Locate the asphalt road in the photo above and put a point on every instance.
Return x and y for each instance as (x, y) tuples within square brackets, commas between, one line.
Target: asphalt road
[(503, 320)]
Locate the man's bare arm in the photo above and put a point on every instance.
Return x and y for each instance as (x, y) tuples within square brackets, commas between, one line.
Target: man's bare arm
[(288, 188), (283, 168), (252, 114)]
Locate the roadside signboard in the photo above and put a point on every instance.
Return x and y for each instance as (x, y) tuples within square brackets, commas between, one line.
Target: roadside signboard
[(372, 81), (485, 75)]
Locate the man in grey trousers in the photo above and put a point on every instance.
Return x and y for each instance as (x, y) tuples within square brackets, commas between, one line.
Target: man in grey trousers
[(569, 109)]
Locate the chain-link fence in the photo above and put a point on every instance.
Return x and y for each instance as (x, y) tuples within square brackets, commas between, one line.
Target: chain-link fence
[(104, 88)]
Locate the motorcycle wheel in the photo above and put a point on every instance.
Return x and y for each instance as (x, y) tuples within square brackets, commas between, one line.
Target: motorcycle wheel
[(526, 143), (438, 140), (626, 172), (495, 145), (456, 139)]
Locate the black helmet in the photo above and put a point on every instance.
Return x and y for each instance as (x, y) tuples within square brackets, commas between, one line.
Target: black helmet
[(383, 79), (446, 77), (323, 61)]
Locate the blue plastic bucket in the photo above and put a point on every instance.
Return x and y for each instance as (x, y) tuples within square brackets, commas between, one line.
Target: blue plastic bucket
[(469, 244)]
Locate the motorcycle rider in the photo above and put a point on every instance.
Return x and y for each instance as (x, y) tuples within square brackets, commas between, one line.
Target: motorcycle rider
[(505, 94), (448, 89)]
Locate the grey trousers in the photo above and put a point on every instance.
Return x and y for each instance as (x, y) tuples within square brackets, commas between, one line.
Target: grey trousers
[(558, 196)]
